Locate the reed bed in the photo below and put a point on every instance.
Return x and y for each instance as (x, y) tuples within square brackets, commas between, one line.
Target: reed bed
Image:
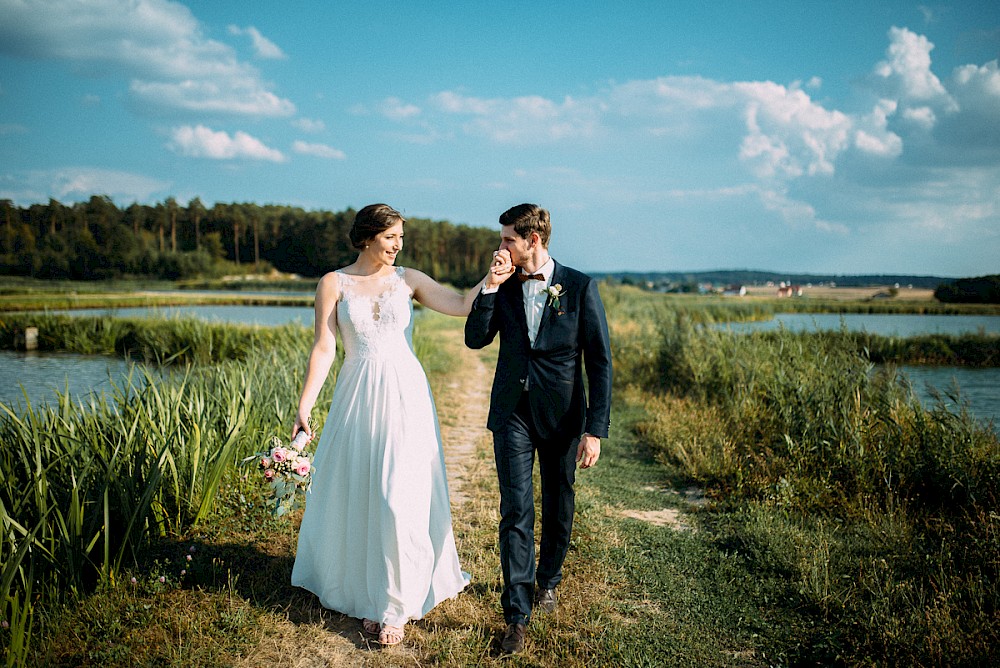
[(85, 487), (152, 340), (16, 303), (874, 517), (830, 473)]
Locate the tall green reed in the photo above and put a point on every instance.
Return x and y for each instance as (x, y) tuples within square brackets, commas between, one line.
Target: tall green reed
[(84, 486), (829, 470)]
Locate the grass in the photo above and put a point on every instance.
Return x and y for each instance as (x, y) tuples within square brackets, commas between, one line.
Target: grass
[(762, 500), (880, 512), (158, 341), (103, 300)]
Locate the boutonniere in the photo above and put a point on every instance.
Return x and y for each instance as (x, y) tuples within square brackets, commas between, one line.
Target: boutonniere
[(553, 293)]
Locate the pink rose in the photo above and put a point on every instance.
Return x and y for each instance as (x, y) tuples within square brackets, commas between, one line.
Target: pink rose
[(269, 473), (265, 462), (279, 454), (302, 466)]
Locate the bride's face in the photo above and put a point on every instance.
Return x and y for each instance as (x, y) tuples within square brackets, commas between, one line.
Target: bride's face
[(387, 244)]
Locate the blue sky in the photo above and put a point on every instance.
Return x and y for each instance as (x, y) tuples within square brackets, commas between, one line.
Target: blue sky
[(828, 137)]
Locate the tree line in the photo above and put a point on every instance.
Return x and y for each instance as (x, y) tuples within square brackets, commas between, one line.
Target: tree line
[(978, 290), (96, 240)]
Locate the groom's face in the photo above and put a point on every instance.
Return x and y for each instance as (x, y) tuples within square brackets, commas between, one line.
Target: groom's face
[(520, 249)]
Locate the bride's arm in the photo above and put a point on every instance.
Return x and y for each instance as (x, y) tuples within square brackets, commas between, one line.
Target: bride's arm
[(438, 297), (324, 350), (435, 296)]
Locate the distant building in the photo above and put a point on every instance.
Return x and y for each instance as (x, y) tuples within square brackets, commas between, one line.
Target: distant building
[(789, 290)]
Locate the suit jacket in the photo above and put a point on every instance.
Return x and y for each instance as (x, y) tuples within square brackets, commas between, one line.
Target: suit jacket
[(574, 333)]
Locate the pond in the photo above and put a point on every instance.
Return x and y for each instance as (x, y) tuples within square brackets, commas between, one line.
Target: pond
[(885, 324), (268, 316), (43, 374), (980, 388)]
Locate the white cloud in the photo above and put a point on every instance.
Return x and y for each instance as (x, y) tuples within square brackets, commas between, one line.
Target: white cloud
[(309, 125), (262, 46), (520, 120), (923, 117), (157, 45), (318, 150), (873, 136), (906, 73), (239, 97), (202, 142), (393, 108), (78, 183), (791, 134)]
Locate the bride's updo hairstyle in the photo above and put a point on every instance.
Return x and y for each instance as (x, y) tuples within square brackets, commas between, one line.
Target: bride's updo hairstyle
[(372, 221), (528, 218)]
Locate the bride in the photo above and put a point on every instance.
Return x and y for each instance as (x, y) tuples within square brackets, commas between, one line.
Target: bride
[(376, 540)]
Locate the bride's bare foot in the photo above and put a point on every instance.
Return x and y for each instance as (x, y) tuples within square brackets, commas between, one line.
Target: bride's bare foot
[(390, 635), (370, 626)]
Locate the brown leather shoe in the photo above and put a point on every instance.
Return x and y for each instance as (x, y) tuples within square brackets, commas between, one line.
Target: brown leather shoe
[(513, 638), (545, 600)]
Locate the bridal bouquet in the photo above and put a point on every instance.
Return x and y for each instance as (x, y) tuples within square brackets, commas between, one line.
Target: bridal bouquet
[(287, 471)]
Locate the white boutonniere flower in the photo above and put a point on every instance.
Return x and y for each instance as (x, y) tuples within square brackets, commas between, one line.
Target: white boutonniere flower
[(553, 293)]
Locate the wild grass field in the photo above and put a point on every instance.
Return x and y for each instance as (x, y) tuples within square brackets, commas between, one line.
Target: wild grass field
[(762, 500)]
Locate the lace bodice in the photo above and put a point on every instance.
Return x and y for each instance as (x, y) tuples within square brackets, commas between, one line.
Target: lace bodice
[(375, 315)]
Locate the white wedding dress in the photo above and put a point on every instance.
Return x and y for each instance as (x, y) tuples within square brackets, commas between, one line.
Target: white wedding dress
[(376, 539)]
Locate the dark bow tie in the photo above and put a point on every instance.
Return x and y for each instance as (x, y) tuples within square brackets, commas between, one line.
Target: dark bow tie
[(528, 277)]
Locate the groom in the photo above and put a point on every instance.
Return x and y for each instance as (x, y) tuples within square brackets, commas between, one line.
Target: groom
[(550, 320)]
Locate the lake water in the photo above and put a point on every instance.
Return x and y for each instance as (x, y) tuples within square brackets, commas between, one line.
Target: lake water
[(979, 387), (269, 316), (886, 324), (44, 373)]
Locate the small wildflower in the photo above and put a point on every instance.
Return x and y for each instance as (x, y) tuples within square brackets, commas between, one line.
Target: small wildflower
[(134, 581), (5, 624), (189, 557), (192, 549), (183, 573), (163, 578)]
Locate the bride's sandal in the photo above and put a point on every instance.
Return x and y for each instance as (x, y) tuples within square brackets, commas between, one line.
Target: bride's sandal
[(370, 626), (390, 635)]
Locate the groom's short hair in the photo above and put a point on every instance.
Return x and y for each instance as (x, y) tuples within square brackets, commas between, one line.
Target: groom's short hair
[(528, 218)]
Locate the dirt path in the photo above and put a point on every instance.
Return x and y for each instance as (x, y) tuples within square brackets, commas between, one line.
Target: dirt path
[(463, 408), (309, 636)]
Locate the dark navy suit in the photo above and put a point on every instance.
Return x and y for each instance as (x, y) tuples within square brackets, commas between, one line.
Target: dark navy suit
[(548, 418)]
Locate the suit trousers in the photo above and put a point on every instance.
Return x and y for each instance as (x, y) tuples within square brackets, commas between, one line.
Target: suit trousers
[(514, 446)]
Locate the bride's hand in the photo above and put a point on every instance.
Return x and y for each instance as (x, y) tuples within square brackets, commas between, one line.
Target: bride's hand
[(302, 424), (502, 267)]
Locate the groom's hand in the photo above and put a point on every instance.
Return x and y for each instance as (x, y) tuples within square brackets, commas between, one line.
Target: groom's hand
[(500, 270), (588, 452)]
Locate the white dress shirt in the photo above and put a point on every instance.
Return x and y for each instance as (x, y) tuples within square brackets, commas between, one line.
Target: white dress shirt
[(534, 298)]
